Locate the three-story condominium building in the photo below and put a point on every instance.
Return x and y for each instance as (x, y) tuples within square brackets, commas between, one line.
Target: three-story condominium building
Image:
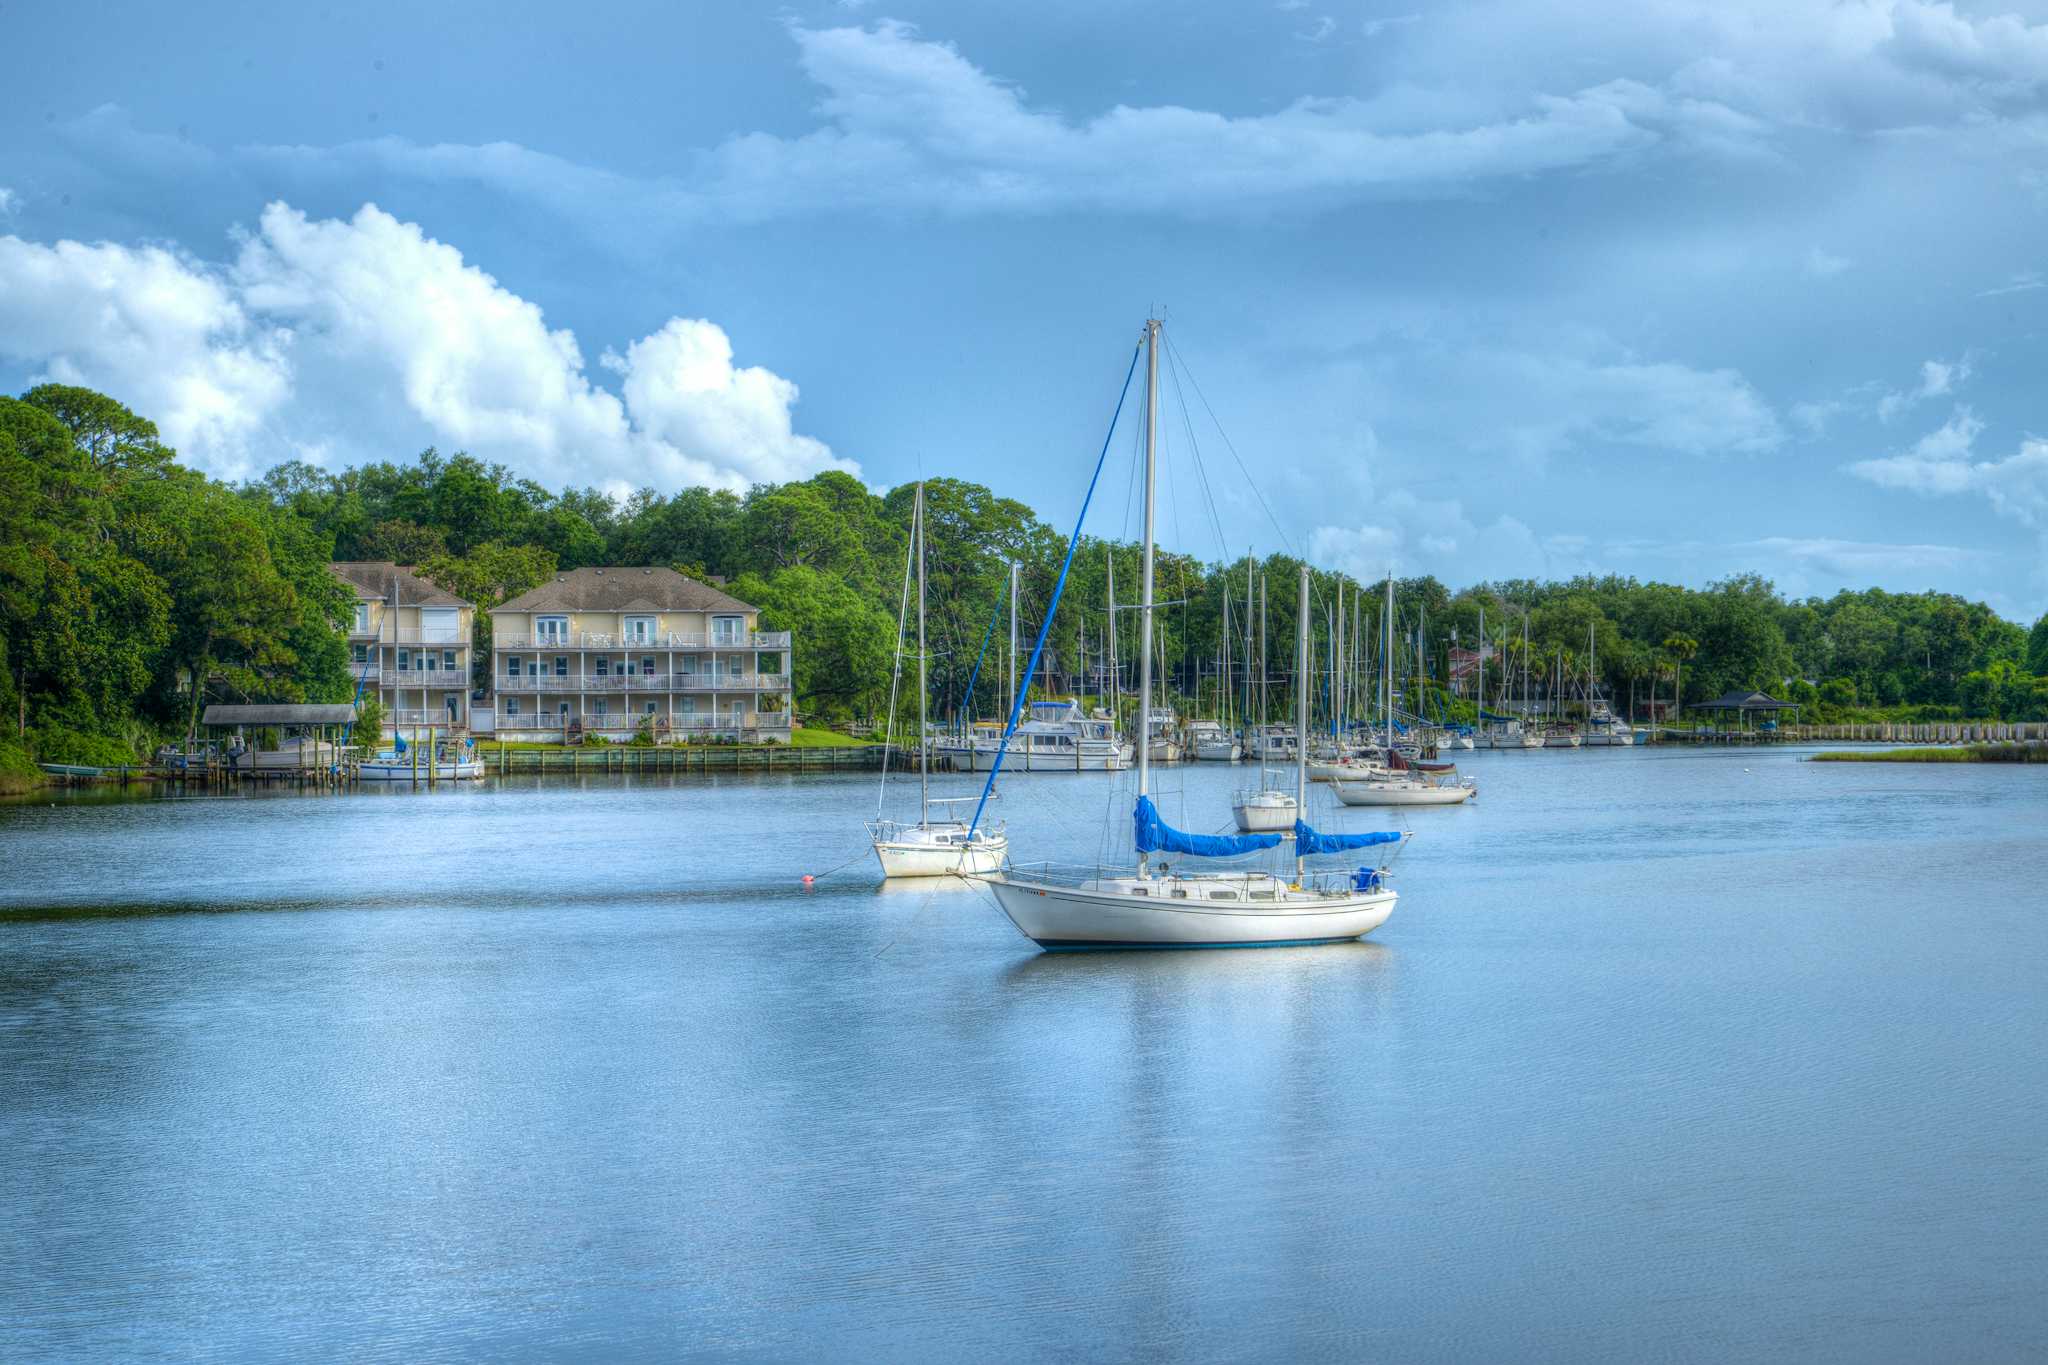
[(409, 645), (604, 651)]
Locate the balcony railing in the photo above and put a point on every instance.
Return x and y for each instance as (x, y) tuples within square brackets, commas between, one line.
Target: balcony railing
[(647, 682), (603, 639), (432, 677), (415, 636), (761, 722), (421, 719)]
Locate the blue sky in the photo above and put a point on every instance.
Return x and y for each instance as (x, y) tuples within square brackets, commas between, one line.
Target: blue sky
[(1668, 288)]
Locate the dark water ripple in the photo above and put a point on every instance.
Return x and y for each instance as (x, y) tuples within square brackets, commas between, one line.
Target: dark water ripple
[(1663, 1056)]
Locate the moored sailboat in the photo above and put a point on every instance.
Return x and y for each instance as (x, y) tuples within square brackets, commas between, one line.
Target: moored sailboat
[(928, 848), (1158, 906)]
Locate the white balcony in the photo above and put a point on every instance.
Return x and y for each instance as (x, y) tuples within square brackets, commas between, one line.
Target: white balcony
[(432, 677), (646, 682), (601, 639)]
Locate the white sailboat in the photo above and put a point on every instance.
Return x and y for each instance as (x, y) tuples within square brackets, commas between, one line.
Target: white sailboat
[(1389, 785), (929, 848), (1265, 809), (1158, 906)]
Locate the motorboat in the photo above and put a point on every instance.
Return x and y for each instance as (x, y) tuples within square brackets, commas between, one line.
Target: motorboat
[(1211, 743), (1059, 738)]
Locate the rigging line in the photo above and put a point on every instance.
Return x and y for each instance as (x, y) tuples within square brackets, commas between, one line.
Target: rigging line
[(1073, 543), (895, 677), (967, 702), (1187, 421), (1196, 385)]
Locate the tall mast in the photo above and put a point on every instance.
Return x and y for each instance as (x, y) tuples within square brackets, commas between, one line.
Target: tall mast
[(1116, 680), (924, 767), (1245, 724), (1144, 736), (1387, 666), (1264, 780), (1013, 628), (1337, 671), (1479, 706), (1301, 749)]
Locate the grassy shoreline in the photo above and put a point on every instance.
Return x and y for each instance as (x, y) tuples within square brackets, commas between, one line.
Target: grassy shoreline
[(1967, 753)]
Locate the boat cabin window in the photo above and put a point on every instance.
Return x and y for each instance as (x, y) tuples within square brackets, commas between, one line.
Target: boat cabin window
[(1262, 895), (1222, 895)]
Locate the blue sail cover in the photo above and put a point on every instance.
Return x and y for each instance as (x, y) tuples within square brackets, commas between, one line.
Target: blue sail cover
[(1307, 841), (1154, 835)]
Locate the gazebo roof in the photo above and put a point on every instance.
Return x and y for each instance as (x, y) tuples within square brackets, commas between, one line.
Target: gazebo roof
[(293, 713), (1746, 701)]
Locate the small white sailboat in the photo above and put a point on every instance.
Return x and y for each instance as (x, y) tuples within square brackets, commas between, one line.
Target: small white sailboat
[(1395, 783), (928, 848), (1264, 809), (1158, 906)]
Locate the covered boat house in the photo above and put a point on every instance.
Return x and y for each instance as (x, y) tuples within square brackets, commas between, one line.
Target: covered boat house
[(307, 733), (1746, 704)]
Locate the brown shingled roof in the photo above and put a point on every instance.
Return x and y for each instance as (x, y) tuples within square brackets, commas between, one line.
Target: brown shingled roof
[(634, 589), (375, 580)]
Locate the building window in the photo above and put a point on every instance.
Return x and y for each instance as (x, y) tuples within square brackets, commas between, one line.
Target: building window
[(604, 666), (511, 706), (361, 654), (687, 665), (562, 710), (404, 660), (650, 708), (629, 666), (551, 630), (647, 665), (362, 616), (448, 660), (728, 630), (439, 623), (639, 630), (511, 665), (597, 706), (561, 665), (689, 706)]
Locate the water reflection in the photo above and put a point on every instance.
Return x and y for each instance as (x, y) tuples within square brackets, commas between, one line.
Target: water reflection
[(1650, 1051)]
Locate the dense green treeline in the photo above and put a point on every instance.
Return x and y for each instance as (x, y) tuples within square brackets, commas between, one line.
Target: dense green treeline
[(124, 577)]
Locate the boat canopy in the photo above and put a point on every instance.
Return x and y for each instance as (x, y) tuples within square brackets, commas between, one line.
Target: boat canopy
[(1154, 835), (1308, 841)]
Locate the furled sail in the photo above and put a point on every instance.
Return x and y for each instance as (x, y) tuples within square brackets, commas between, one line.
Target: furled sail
[(1154, 835), (1307, 841)]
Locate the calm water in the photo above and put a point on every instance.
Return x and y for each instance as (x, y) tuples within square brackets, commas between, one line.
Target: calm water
[(1663, 1055)]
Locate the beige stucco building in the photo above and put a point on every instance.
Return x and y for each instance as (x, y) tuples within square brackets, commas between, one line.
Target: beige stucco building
[(409, 644), (603, 650)]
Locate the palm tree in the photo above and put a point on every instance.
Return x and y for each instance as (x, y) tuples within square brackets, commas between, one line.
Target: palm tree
[(1680, 648)]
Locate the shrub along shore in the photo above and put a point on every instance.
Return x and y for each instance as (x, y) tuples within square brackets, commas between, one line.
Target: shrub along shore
[(1966, 753)]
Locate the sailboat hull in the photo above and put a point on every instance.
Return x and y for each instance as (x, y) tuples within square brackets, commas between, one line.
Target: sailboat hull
[(914, 859), (1109, 913), (1261, 814), (1400, 794)]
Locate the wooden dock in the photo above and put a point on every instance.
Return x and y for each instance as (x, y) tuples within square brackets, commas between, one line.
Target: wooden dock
[(1954, 732)]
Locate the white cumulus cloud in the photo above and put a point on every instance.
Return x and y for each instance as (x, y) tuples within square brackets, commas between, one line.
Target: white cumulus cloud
[(328, 338)]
